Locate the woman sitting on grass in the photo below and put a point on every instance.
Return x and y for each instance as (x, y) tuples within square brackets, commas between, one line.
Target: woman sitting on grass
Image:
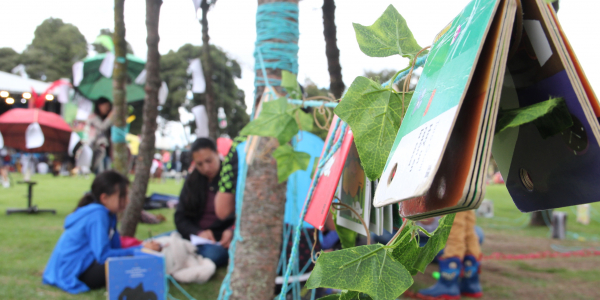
[(195, 214), (90, 237)]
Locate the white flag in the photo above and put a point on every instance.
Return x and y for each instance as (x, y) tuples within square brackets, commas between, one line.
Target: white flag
[(141, 78), (77, 73), (198, 82), (84, 109), (1, 141), (107, 65), (196, 5), (201, 121), (73, 142), (34, 137), (163, 92)]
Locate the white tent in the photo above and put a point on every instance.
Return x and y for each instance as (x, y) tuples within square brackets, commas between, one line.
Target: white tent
[(17, 84)]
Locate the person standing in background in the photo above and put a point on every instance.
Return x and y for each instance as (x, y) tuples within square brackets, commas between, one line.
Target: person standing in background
[(100, 122)]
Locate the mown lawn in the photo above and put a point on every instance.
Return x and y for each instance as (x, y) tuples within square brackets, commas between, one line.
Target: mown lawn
[(28, 240)]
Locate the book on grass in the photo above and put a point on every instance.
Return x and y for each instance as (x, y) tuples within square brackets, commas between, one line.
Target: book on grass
[(494, 56), (141, 276)]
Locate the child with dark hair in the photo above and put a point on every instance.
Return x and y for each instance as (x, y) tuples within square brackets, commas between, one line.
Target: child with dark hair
[(100, 122), (90, 237)]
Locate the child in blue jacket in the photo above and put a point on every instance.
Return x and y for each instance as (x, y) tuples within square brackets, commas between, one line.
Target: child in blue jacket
[(90, 237)]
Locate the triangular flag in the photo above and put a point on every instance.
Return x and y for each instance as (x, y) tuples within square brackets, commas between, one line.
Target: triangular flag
[(77, 73), (73, 142), (201, 121), (163, 92), (1, 141), (34, 137), (107, 65), (198, 82), (141, 78)]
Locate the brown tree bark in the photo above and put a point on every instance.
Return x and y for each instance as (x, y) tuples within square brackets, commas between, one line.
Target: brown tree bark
[(336, 85), (541, 218), (261, 228), (207, 65), (120, 154), (137, 195)]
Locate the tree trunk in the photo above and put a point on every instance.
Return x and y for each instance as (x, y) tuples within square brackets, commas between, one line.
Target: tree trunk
[(257, 255), (332, 52), (541, 218), (211, 109), (261, 227), (137, 194), (119, 82)]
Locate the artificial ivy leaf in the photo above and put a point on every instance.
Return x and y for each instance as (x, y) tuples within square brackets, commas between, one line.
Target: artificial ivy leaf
[(289, 161), (407, 252), (366, 269), (347, 236), (389, 35), (273, 121), (305, 121), (435, 243), (289, 81), (550, 117), (331, 297), (349, 295), (374, 114)]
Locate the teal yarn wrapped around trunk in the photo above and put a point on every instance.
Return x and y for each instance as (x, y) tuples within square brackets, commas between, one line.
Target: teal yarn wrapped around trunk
[(277, 20)]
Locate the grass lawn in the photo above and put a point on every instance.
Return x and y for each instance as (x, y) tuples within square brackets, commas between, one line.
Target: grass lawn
[(28, 241)]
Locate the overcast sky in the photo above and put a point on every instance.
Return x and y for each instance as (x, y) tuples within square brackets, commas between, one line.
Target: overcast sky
[(232, 27)]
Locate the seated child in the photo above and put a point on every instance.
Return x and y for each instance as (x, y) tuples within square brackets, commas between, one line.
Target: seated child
[(90, 237)]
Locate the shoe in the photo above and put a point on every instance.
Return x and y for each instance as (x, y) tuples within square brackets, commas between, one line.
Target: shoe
[(469, 282), (447, 286)]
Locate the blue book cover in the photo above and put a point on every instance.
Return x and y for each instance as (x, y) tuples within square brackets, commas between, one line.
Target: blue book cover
[(140, 277)]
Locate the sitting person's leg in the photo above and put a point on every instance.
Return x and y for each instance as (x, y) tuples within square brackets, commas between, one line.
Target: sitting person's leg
[(94, 277), (216, 253)]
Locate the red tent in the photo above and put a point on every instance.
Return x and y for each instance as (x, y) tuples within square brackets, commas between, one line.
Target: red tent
[(14, 123)]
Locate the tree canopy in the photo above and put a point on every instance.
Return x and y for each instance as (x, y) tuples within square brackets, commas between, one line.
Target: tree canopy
[(173, 70), (55, 47), (9, 59)]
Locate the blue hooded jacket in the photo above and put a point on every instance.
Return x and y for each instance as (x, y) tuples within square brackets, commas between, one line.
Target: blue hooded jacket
[(90, 235)]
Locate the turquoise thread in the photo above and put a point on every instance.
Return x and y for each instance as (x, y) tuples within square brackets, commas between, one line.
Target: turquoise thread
[(118, 134)]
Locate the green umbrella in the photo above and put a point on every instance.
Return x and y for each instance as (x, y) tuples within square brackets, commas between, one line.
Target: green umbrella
[(94, 85)]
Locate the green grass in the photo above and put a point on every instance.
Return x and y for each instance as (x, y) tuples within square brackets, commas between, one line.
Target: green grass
[(28, 240), (508, 217)]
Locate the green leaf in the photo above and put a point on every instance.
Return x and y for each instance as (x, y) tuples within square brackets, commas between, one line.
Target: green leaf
[(289, 81), (289, 161), (407, 252), (367, 269), (331, 297), (347, 236), (374, 114), (349, 295), (389, 35), (435, 243), (273, 121), (550, 117), (305, 121)]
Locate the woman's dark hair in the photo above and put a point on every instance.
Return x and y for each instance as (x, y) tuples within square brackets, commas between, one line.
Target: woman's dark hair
[(100, 101), (203, 143), (108, 182)]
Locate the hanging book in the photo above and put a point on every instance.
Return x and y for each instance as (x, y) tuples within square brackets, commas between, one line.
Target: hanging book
[(354, 190), (494, 56), (331, 173)]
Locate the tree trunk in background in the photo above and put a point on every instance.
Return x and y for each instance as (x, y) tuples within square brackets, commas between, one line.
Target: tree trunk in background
[(211, 109), (541, 218), (119, 82), (336, 86), (261, 227), (137, 194)]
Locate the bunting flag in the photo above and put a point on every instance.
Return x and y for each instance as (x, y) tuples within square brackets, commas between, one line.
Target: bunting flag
[(198, 81), (201, 121)]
